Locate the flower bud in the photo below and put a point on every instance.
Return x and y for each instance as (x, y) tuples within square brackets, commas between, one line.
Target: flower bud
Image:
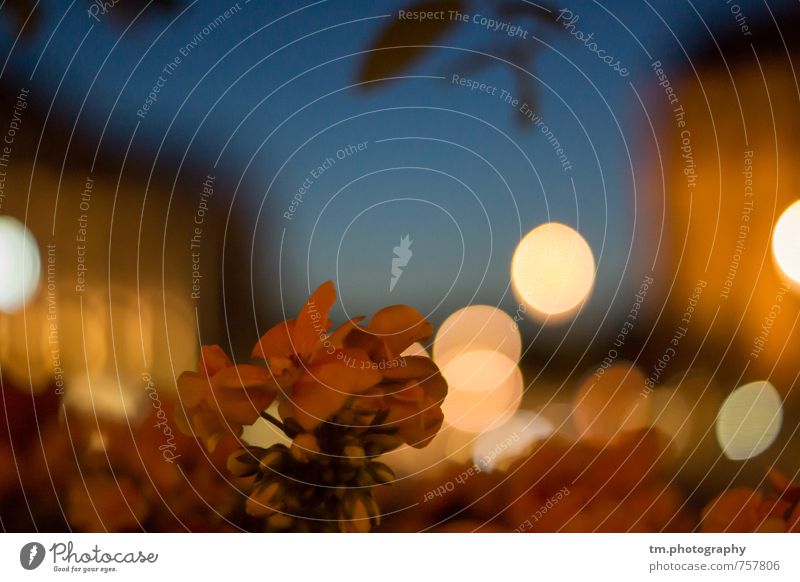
[(274, 456), (280, 521), (305, 447), (380, 472), (378, 444), (243, 462), (265, 499), (354, 455), (346, 417), (359, 512), (364, 479)]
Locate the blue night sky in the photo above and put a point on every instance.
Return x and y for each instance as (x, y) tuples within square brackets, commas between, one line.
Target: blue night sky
[(268, 96)]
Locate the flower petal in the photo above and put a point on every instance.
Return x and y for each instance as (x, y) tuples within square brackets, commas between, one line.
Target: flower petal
[(348, 370), (327, 385), (412, 392), (400, 326), (362, 339), (735, 510), (417, 423), (193, 388), (244, 376), (212, 360), (276, 343), (337, 338), (312, 321), (245, 406), (408, 367), (208, 427), (315, 401)]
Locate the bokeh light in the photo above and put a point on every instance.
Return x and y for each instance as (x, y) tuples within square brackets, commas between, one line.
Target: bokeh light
[(671, 415), (612, 403), (103, 396), (786, 242), (20, 264), (477, 327), (553, 270), (485, 389), (749, 420)]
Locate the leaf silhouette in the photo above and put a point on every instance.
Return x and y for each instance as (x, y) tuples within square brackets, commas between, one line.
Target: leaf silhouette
[(22, 15), (541, 13), (403, 42)]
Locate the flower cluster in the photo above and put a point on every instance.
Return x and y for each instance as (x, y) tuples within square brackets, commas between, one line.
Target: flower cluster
[(743, 509), (344, 397), (558, 485)]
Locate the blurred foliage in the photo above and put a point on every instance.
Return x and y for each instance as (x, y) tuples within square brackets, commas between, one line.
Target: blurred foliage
[(403, 44), (25, 15)]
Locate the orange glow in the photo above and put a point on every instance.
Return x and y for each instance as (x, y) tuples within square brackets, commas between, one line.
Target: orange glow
[(786, 242), (485, 389), (614, 403), (477, 327), (553, 270), (670, 414)]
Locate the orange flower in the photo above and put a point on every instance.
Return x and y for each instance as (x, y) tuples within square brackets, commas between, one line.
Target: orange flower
[(789, 496), (737, 510), (412, 388), (317, 371), (321, 374), (221, 397), (744, 510), (411, 395)]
